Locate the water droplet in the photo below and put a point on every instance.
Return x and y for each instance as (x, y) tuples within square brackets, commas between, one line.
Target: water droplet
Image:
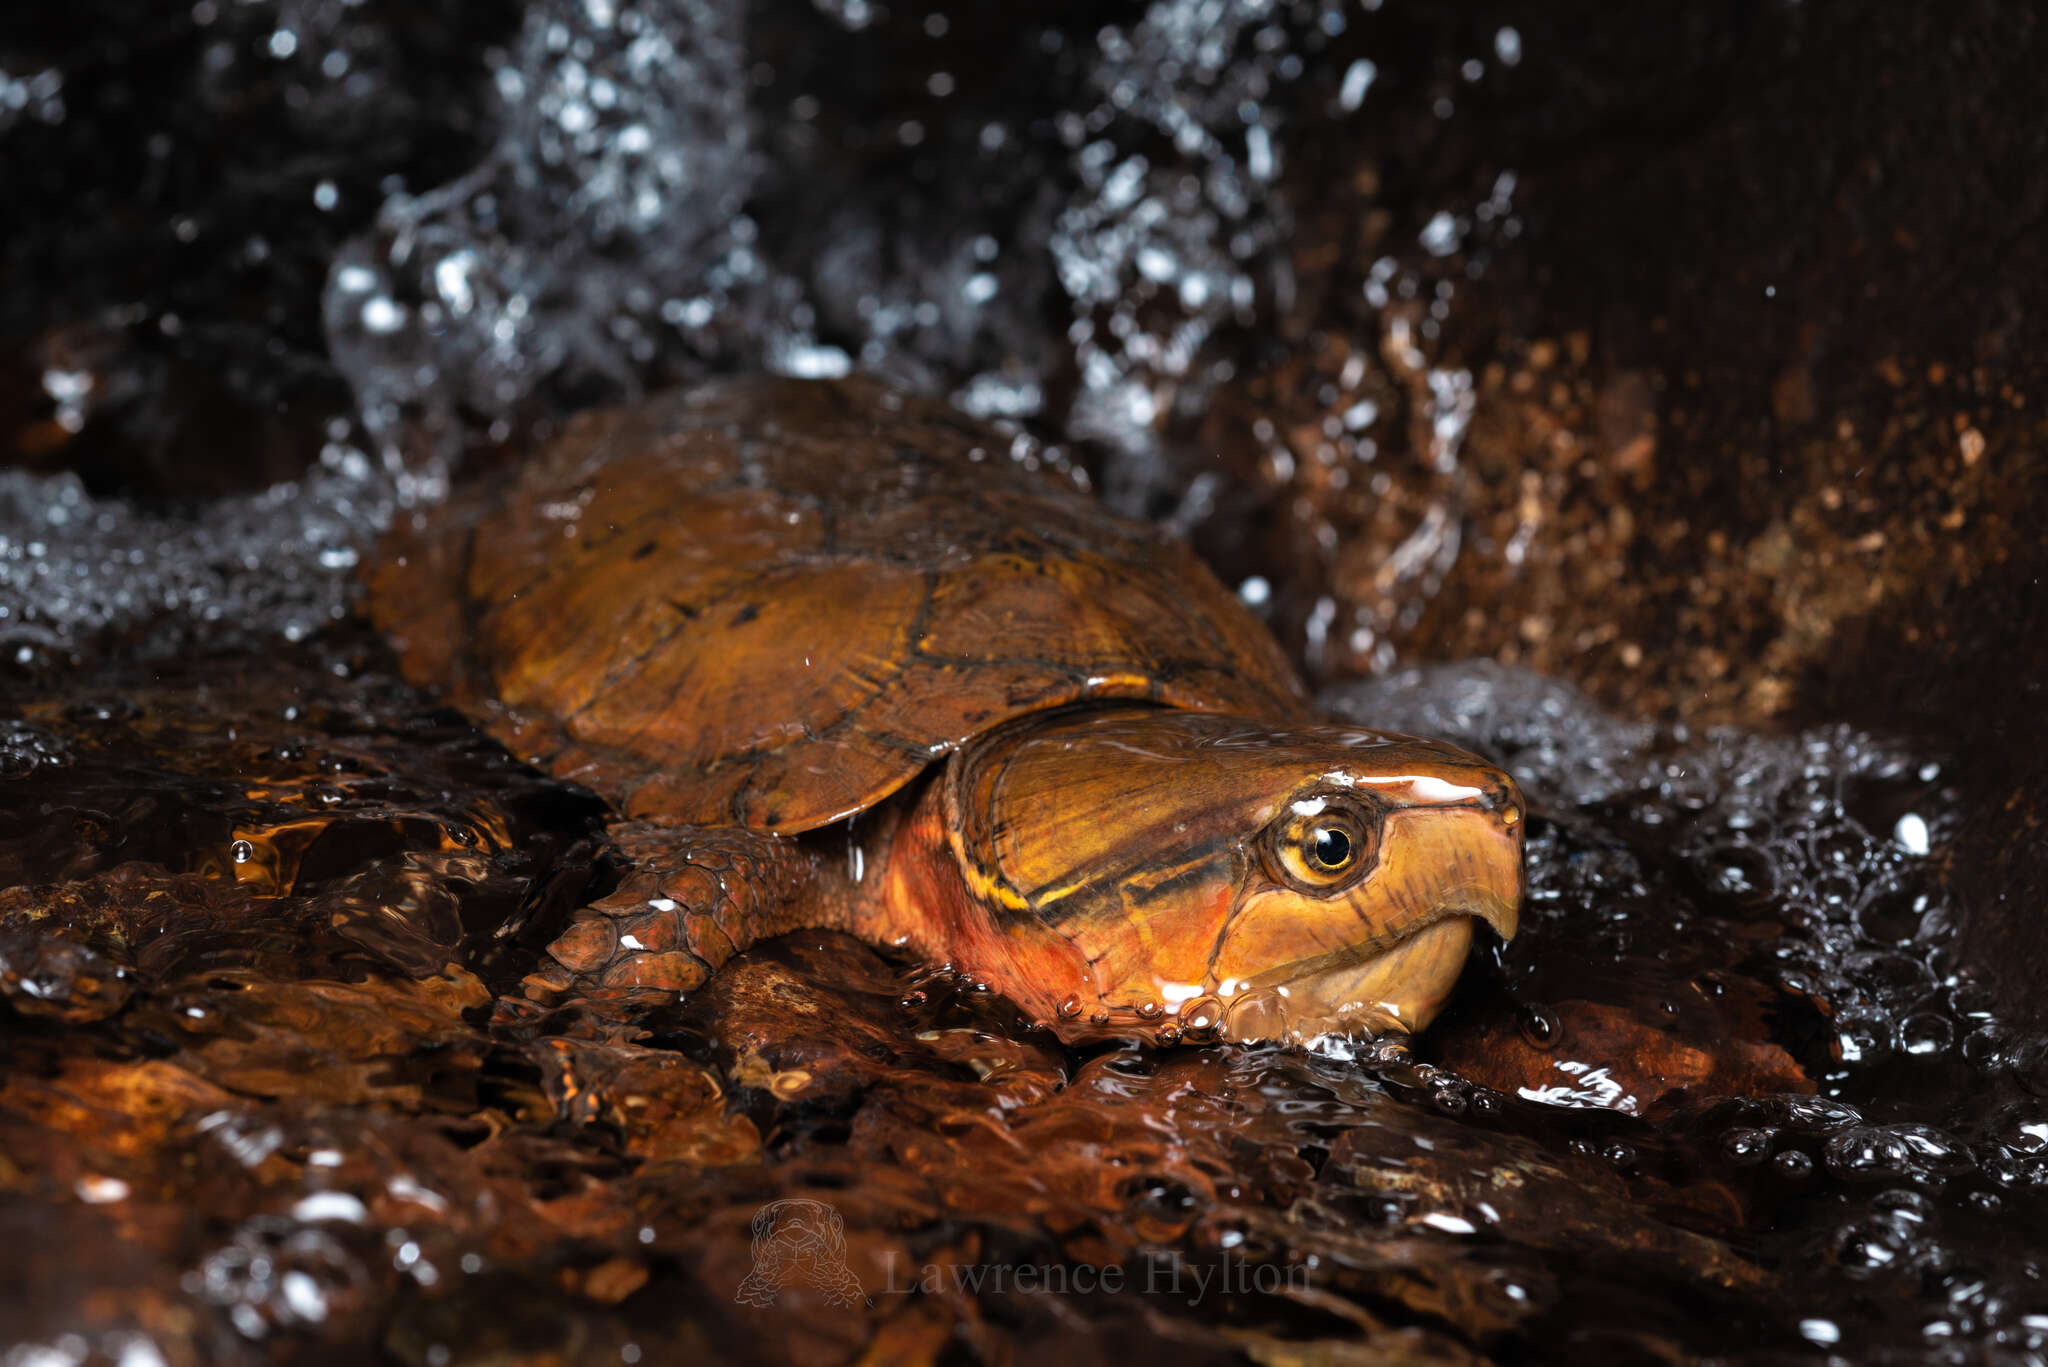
[(1540, 1026), (1200, 1015), (1820, 1331), (241, 851), (1911, 833)]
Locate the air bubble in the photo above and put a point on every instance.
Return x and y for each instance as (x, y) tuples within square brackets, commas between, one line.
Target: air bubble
[(1926, 1034), (1747, 1147), (1742, 873), (1793, 1165), (1894, 1151), (1862, 1036), (1893, 914)]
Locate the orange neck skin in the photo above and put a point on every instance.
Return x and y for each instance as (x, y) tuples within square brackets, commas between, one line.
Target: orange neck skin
[(918, 900)]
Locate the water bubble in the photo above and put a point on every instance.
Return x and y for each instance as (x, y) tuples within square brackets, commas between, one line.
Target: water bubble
[(2022, 1130), (1793, 1165), (1743, 873), (1867, 1248), (1201, 1015), (1893, 914), (1811, 1114), (1926, 1034), (1894, 1151), (242, 851), (1258, 1014), (1863, 1035), (278, 1275), (1747, 1146), (1903, 1207)]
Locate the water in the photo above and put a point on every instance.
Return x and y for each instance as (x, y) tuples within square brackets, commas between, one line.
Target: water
[(643, 216), (270, 916), (598, 199), (273, 1087), (1764, 916)]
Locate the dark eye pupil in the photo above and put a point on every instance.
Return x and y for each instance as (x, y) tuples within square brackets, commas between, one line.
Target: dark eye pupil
[(1332, 847)]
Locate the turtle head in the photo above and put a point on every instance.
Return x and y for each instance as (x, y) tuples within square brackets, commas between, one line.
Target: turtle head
[(1208, 874)]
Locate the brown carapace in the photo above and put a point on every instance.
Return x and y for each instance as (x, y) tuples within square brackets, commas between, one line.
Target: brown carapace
[(838, 660)]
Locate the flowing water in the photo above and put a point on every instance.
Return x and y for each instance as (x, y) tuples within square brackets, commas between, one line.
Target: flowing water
[(272, 1090), (270, 1067)]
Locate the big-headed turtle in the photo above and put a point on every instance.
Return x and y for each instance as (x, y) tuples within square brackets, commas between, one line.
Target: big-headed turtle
[(838, 661)]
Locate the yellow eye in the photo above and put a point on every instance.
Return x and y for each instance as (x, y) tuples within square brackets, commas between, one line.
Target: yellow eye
[(1319, 844)]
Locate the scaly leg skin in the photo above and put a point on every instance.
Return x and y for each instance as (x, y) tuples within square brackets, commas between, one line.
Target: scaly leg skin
[(692, 898)]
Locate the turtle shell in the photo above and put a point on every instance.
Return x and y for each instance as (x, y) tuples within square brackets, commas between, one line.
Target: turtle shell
[(771, 602)]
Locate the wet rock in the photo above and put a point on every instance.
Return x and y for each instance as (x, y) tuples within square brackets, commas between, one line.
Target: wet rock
[(53, 979), (1594, 1054)]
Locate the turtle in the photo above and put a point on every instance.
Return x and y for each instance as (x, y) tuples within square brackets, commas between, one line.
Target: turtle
[(839, 657)]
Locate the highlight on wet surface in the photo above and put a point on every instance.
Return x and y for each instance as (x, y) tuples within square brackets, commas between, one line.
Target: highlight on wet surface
[(1697, 363), (271, 1060)]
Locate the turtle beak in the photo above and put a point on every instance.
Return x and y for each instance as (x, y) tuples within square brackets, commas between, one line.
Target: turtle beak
[(1453, 843), (1467, 859), (1496, 896), (1443, 867)]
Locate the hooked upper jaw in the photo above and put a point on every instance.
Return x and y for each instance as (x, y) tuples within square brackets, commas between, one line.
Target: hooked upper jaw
[(1442, 870)]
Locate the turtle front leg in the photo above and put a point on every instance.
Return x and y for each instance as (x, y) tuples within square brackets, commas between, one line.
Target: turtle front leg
[(694, 897)]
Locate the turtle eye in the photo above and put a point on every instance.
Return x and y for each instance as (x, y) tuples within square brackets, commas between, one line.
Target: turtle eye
[(1318, 844)]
